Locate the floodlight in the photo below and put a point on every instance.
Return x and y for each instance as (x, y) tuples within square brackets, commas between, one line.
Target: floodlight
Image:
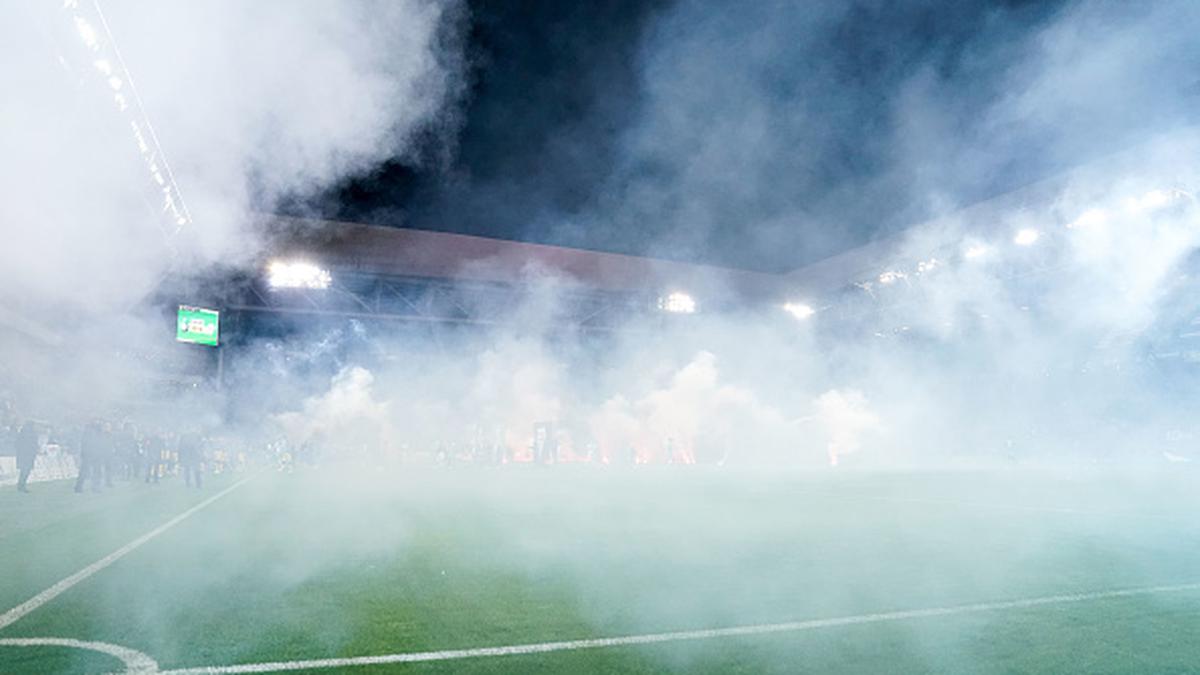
[(86, 32), (891, 277), (1156, 199), (799, 310), (1027, 237), (975, 251), (1151, 201), (677, 303), (1089, 218), (297, 274)]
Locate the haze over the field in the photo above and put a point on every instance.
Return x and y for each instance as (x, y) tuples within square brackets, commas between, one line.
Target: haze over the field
[(1024, 332), (735, 110)]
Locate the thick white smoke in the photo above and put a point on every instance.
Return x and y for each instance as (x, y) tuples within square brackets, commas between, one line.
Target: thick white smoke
[(1006, 329), (845, 417), (1024, 329), (248, 102), (347, 419)]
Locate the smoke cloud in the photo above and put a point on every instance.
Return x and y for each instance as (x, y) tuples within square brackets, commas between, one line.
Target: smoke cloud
[(243, 104), (1011, 204)]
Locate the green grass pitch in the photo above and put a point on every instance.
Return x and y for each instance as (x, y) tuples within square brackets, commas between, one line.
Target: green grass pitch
[(339, 563)]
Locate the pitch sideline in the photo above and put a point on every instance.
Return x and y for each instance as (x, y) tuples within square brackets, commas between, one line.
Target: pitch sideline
[(17, 613), (677, 636)]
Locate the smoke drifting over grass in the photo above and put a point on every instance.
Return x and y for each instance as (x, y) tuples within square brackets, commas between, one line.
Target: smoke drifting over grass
[(1042, 327)]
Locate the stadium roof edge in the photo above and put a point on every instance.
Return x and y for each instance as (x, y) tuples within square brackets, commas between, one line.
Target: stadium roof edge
[(402, 252), (1038, 199), (21, 323)]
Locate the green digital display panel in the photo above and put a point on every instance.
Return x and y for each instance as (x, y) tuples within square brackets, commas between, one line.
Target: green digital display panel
[(197, 325)]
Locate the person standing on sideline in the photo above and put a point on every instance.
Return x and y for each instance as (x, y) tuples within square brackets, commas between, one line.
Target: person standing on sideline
[(27, 450), (108, 438), (126, 442), (152, 450), (91, 456), (190, 457)]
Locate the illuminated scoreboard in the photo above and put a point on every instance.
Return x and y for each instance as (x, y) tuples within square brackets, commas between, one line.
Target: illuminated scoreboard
[(198, 325)]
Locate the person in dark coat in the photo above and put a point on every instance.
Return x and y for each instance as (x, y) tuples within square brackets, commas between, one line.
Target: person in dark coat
[(152, 448), (92, 453), (27, 450), (190, 457), (108, 438), (129, 462)]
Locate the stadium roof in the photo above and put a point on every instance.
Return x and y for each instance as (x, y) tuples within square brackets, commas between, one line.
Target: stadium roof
[(390, 251)]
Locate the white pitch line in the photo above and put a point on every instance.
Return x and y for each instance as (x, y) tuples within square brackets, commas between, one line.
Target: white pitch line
[(954, 502), (655, 638), (136, 663), (995, 506), (16, 613)]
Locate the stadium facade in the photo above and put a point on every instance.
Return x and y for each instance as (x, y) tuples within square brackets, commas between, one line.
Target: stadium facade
[(389, 273)]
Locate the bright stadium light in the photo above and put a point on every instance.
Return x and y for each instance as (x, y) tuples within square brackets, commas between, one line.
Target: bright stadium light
[(1027, 237), (297, 274), (1156, 199), (975, 251), (799, 310), (86, 32), (1151, 201), (677, 303), (1089, 218), (891, 276)]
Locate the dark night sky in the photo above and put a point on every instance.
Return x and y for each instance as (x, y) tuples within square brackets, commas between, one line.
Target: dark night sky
[(761, 135)]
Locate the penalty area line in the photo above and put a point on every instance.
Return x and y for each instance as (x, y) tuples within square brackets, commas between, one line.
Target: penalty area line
[(17, 613), (678, 636)]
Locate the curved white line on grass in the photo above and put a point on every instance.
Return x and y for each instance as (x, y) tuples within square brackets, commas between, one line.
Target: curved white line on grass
[(16, 613), (654, 638), (136, 663)]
